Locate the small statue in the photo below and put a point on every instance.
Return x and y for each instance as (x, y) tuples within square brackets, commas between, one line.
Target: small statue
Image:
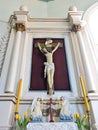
[(36, 114), (65, 113)]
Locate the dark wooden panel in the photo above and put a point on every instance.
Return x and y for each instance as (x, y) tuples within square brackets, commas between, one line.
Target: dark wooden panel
[(61, 78)]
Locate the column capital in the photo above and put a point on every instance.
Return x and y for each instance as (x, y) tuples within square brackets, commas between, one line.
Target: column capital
[(75, 18), (76, 27), (20, 27)]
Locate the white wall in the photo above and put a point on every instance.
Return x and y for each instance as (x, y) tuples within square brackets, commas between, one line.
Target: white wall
[(42, 9)]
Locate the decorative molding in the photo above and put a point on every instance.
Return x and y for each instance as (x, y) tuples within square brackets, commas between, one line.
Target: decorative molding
[(7, 97), (49, 30), (3, 47), (89, 11), (72, 100), (30, 19), (20, 27), (76, 28)]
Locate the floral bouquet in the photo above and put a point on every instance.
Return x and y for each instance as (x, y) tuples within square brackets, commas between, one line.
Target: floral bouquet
[(81, 121), (22, 122)]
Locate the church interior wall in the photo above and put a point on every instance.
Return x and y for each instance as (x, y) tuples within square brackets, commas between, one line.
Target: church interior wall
[(27, 68), (7, 106), (35, 29), (41, 9), (93, 47)]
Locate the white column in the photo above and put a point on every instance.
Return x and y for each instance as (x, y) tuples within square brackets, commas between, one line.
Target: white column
[(91, 48), (14, 60), (86, 64), (77, 24)]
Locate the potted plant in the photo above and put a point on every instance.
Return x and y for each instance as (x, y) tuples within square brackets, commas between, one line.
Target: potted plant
[(81, 121), (22, 122)]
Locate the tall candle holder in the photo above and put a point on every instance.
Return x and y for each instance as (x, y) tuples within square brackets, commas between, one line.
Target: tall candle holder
[(86, 102), (18, 101), (18, 96), (89, 120)]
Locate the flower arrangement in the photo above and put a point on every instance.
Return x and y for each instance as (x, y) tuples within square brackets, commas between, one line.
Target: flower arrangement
[(22, 122), (81, 121)]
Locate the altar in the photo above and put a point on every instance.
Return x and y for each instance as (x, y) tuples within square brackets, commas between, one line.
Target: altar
[(52, 126), (51, 114)]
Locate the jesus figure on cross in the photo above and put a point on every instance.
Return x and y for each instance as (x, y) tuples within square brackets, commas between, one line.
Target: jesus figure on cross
[(49, 64)]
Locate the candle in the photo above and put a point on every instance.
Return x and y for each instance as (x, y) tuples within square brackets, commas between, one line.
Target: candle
[(84, 93), (86, 104), (18, 95)]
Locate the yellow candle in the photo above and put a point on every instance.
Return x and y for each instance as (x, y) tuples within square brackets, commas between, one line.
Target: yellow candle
[(84, 93), (86, 104), (18, 95), (82, 85)]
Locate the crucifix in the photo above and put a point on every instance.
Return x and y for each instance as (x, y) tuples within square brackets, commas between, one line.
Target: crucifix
[(50, 103), (51, 114), (48, 48)]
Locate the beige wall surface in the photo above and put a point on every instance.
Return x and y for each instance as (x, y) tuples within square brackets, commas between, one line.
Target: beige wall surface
[(42, 8)]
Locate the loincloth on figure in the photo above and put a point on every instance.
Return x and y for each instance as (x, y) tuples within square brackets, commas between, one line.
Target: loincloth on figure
[(48, 66)]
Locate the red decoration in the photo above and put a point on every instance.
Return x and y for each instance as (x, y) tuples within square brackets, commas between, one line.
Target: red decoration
[(51, 114)]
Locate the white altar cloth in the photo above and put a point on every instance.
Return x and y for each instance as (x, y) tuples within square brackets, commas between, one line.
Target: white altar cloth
[(52, 126)]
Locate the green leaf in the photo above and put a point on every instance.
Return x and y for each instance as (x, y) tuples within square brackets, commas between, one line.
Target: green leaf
[(86, 126), (19, 123), (82, 121)]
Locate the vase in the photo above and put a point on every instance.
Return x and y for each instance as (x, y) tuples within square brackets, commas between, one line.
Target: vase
[(80, 128), (22, 128)]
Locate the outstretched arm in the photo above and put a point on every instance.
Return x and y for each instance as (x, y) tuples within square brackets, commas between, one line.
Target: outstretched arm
[(56, 47), (43, 50), (39, 46)]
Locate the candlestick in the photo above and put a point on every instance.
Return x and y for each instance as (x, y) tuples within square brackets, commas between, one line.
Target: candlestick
[(84, 93), (18, 96)]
